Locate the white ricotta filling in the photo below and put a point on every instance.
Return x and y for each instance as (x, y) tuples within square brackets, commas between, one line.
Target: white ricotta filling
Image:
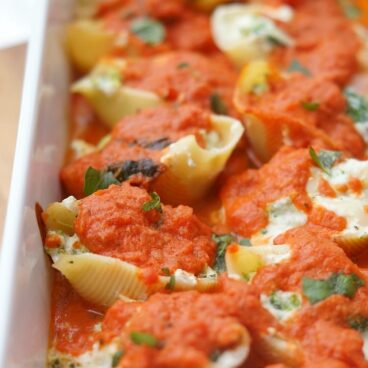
[(349, 205), (101, 357), (282, 304), (282, 216), (68, 245)]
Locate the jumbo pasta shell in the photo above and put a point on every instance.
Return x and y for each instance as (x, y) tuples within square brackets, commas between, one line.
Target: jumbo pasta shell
[(241, 261), (102, 280), (265, 138), (277, 349), (58, 217), (235, 357), (111, 100), (191, 169), (352, 244), (87, 42)]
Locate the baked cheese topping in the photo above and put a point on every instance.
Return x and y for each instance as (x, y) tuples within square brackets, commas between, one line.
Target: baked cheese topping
[(282, 216), (348, 204)]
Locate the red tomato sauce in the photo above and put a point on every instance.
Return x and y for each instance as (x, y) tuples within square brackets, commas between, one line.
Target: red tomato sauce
[(187, 325), (301, 103), (184, 77), (185, 28), (138, 137), (322, 328), (245, 197), (112, 222), (73, 320), (327, 48)]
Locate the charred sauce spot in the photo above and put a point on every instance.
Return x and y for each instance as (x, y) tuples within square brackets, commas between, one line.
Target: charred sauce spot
[(124, 170), (155, 145)]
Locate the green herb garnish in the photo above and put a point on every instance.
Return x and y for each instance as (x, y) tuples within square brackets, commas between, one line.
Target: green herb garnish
[(165, 271), (337, 283), (217, 105), (117, 173), (296, 66), (171, 284), (116, 358), (149, 30), (222, 242), (310, 105), (276, 41), (153, 204), (96, 179), (324, 159), (285, 301), (357, 106), (183, 65), (245, 242), (350, 10), (359, 323), (143, 338)]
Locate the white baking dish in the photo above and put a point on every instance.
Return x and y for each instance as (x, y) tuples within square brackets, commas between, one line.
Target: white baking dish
[(42, 136)]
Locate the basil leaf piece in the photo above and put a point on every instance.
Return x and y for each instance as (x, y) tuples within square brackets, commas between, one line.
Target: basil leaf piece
[(222, 242), (149, 30), (359, 323), (96, 179), (116, 358), (217, 105), (296, 66), (143, 338), (337, 283), (357, 106), (324, 159), (310, 105), (153, 204)]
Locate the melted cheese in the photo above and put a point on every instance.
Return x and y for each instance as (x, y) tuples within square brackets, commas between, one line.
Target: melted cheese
[(282, 216), (247, 32), (349, 204)]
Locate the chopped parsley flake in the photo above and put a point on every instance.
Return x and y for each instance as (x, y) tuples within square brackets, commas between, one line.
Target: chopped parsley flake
[(96, 179), (281, 301), (183, 65), (165, 271), (218, 106), (357, 106), (143, 338), (171, 284), (324, 159), (222, 242), (116, 358), (150, 31), (296, 66), (350, 10), (337, 283), (153, 204), (310, 105)]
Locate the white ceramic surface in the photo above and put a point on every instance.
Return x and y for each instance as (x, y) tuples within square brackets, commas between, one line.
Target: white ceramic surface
[(24, 276)]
